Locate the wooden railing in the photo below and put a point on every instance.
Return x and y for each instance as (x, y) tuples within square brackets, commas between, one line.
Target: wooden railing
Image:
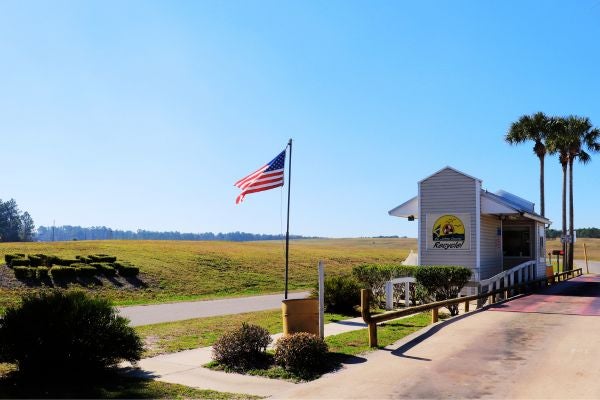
[(491, 296)]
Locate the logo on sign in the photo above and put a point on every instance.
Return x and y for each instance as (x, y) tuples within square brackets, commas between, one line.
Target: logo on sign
[(448, 233)]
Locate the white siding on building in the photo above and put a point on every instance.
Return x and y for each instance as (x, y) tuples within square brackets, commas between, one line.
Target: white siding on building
[(448, 192), (491, 250)]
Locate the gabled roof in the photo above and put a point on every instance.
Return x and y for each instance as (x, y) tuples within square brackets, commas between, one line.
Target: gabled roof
[(451, 169)]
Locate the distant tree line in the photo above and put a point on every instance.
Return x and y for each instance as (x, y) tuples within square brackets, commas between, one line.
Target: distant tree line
[(68, 232), (581, 233), (15, 226)]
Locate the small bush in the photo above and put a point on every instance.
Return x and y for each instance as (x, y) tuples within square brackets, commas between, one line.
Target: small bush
[(102, 258), (129, 270), (302, 353), (342, 294), (9, 257), (24, 272), (83, 259), (19, 262), (84, 270), (104, 268), (57, 335), (62, 272), (242, 348), (65, 262), (35, 261), (443, 282), (42, 272), (51, 260), (374, 276)]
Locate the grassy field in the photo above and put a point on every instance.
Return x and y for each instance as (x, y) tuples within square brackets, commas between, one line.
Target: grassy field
[(177, 270), (592, 245)]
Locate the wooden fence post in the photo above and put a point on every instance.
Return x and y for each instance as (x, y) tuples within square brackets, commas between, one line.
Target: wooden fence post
[(372, 334), (434, 315)]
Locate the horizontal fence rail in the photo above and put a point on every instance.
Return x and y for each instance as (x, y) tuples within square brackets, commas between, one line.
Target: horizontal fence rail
[(491, 296)]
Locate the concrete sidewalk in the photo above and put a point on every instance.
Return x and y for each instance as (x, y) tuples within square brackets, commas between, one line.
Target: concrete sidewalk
[(185, 368), (168, 312)]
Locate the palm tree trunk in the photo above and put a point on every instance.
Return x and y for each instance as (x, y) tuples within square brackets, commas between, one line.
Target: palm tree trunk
[(564, 214), (542, 206), (571, 212)]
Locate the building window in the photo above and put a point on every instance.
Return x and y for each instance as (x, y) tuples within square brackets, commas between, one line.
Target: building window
[(516, 242)]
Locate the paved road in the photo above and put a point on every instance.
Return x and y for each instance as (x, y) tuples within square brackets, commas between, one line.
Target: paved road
[(593, 265), (156, 313), (541, 346)]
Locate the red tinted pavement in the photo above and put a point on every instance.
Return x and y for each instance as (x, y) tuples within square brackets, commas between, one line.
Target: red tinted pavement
[(578, 296)]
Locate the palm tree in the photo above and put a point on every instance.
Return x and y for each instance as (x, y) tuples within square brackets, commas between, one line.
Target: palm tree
[(558, 144), (532, 128), (582, 136), (570, 137)]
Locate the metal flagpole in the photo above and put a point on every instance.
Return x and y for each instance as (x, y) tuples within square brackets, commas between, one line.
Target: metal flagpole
[(287, 232)]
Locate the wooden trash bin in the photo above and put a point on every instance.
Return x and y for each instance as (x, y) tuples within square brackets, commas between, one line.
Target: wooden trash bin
[(300, 315)]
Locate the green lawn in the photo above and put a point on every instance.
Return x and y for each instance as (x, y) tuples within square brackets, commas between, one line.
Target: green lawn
[(170, 337), (344, 346), (179, 270), (112, 387)]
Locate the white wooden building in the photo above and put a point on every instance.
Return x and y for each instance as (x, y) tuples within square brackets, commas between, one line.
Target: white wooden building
[(462, 224)]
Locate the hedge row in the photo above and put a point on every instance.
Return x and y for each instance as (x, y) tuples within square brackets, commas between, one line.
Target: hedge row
[(40, 266), (435, 282), (36, 260)]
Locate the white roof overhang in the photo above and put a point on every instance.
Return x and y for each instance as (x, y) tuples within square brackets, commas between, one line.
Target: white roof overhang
[(407, 209)]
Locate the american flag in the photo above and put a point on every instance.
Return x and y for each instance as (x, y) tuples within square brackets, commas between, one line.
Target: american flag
[(266, 177)]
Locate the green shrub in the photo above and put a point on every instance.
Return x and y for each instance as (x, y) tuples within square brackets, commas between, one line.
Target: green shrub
[(62, 272), (35, 261), (443, 282), (42, 272), (302, 353), (66, 334), (104, 268), (342, 294), (19, 262), (24, 272), (129, 270), (51, 260), (242, 348), (9, 257), (65, 262), (374, 277), (84, 270), (102, 258)]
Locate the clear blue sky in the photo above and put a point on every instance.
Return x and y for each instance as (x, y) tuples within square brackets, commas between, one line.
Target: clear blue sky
[(142, 114)]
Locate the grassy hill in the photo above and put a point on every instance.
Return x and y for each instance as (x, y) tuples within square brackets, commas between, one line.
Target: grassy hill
[(178, 270)]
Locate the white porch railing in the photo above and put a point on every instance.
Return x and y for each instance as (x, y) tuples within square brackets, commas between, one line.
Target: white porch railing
[(516, 275), (389, 291)]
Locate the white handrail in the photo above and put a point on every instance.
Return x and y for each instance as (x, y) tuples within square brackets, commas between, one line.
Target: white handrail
[(389, 291), (518, 274)]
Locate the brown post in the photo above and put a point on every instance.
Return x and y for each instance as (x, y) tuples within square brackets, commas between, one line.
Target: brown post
[(434, 315), (365, 310), (372, 334), (586, 259), (466, 306)]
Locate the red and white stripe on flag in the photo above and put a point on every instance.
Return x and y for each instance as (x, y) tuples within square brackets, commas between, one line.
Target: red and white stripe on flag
[(267, 177)]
